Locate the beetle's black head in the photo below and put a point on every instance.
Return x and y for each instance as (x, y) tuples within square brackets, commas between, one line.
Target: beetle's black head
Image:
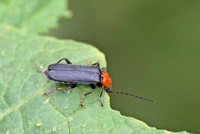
[(107, 89)]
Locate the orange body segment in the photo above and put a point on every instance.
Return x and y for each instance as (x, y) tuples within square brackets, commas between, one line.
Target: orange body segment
[(105, 79)]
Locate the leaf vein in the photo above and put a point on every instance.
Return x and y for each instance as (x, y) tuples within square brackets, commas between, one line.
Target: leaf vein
[(67, 121), (21, 120), (7, 112)]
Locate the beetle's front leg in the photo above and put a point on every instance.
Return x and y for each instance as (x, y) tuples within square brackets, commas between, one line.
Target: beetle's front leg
[(100, 97)]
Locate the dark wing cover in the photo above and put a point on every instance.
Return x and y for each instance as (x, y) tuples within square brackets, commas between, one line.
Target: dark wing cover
[(77, 74)]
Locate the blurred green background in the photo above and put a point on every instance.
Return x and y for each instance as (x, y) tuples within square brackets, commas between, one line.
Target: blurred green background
[(152, 50)]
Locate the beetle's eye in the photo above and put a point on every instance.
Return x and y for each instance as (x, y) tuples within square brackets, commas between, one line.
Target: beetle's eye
[(107, 89)]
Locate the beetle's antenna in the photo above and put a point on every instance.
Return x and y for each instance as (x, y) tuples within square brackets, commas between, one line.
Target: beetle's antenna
[(131, 95)]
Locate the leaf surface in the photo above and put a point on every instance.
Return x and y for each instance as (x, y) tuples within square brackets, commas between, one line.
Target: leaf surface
[(32, 16), (23, 109)]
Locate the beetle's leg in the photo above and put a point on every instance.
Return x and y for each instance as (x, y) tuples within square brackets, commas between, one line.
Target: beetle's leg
[(96, 64), (104, 69), (93, 89), (60, 88), (101, 98), (67, 60), (88, 61)]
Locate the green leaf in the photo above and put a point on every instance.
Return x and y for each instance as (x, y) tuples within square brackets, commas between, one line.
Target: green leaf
[(23, 109), (32, 16)]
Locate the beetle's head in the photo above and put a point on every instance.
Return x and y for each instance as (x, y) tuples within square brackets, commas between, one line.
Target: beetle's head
[(107, 89)]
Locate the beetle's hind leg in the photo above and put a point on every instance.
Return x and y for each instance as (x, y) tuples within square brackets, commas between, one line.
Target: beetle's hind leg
[(60, 88), (93, 89), (67, 60)]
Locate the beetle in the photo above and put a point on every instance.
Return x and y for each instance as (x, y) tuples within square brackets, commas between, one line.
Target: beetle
[(81, 74)]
